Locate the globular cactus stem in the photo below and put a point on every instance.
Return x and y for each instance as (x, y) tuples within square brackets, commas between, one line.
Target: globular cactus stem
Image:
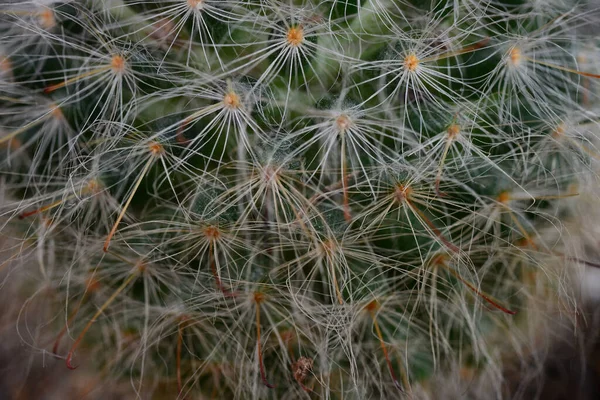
[(292, 198)]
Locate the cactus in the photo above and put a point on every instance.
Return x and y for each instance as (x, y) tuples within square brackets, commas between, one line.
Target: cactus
[(293, 199)]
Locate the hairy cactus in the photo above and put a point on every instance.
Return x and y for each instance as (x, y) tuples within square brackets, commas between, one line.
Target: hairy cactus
[(292, 198)]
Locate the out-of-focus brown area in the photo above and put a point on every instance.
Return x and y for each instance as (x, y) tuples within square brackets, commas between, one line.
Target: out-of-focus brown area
[(567, 368), (34, 373)]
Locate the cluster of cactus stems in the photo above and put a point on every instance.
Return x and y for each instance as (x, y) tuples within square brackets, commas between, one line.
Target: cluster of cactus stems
[(292, 198)]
